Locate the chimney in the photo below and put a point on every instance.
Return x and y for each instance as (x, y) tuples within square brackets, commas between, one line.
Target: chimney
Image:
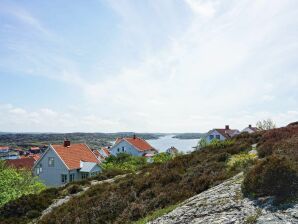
[(66, 143), (249, 125), (134, 136), (227, 127)]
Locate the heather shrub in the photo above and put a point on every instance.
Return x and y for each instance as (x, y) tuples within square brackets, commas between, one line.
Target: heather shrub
[(274, 176), (32, 214), (157, 186), (75, 188)]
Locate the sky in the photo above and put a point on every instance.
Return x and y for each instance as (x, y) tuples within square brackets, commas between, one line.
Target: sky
[(147, 66)]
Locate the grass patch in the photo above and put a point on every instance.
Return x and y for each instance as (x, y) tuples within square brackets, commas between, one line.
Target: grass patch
[(253, 218), (241, 161), (156, 214)]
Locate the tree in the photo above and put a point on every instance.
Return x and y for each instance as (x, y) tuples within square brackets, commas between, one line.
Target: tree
[(202, 143), (15, 183), (266, 124)]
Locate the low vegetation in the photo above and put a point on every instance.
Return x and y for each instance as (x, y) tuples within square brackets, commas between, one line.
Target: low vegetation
[(156, 214), (159, 186), (241, 161), (124, 162), (276, 174), (30, 206), (155, 188)]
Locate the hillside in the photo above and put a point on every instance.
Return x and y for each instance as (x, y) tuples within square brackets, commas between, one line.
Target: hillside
[(94, 140), (160, 187), (189, 135), (225, 204)]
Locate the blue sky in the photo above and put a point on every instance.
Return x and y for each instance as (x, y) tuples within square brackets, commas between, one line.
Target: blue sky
[(147, 66)]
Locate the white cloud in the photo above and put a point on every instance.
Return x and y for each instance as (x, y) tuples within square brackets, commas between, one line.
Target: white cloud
[(205, 8), (49, 120), (233, 63), (24, 16)]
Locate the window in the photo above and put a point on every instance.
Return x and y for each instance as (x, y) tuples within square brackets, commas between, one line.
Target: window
[(71, 177), (118, 150), (94, 174), (38, 169), (218, 137), (84, 176), (123, 149), (211, 137), (51, 161), (63, 178)]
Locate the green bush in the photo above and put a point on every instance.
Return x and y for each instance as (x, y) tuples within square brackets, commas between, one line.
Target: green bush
[(215, 143), (124, 161), (241, 161), (274, 176), (162, 157), (15, 183)]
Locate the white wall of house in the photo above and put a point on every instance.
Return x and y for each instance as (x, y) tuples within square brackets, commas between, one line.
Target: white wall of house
[(124, 147), (248, 130), (214, 135), (51, 175)]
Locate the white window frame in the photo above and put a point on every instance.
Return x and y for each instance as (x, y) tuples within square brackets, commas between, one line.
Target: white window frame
[(64, 178), (71, 177), (84, 176), (38, 169), (51, 161)]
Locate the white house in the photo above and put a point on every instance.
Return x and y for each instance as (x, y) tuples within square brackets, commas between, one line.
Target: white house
[(250, 129), (221, 134), (134, 146), (65, 163)]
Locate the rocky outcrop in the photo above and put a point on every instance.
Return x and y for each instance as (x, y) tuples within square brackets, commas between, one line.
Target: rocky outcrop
[(226, 204)]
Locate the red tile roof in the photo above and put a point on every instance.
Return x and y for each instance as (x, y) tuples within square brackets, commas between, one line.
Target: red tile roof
[(22, 163), (73, 154), (106, 151), (227, 133), (139, 143), (4, 148), (254, 128), (96, 152), (35, 156)]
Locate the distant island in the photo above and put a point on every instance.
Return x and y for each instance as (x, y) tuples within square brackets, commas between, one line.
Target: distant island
[(189, 135)]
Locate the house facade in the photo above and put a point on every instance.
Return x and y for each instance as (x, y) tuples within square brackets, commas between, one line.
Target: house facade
[(221, 134), (250, 129), (134, 146), (61, 164), (172, 151)]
